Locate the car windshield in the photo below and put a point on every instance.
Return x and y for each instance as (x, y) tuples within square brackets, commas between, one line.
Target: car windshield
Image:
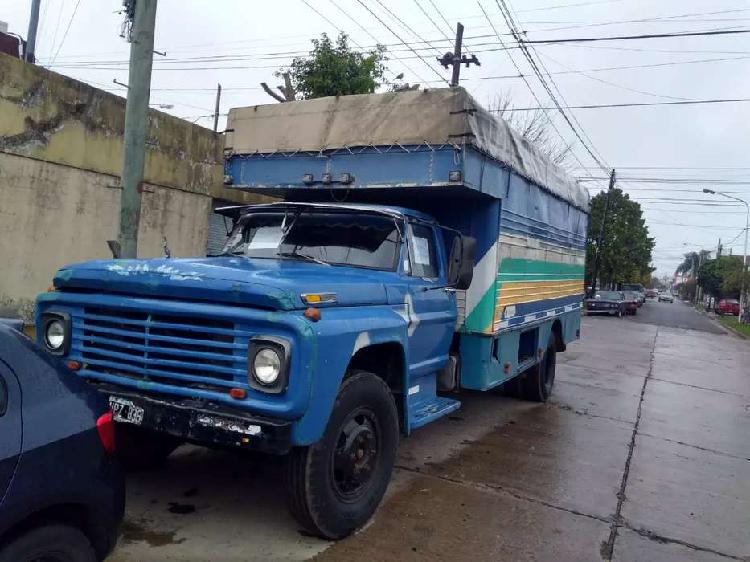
[(337, 238), (732, 301), (610, 295), (631, 295)]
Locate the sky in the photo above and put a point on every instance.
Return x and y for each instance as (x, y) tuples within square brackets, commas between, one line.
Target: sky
[(664, 155)]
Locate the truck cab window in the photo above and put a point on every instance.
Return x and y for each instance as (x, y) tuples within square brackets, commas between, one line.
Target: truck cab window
[(423, 256), (354, 239)]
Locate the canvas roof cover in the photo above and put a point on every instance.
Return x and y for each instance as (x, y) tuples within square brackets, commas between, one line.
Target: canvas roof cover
[(436, 117)]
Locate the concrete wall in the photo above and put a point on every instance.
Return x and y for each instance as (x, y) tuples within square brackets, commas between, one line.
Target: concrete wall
[(60, 160)]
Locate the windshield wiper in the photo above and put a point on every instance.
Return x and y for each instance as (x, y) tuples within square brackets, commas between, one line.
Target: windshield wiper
[(303, 256)]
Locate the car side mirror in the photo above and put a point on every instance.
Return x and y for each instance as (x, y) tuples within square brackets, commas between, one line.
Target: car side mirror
[(461, 262)]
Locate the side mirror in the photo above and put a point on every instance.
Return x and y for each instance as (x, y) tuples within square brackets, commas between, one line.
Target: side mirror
[(461, 262)]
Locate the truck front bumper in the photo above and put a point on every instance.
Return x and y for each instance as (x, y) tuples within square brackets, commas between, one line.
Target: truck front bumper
[(204, 423)]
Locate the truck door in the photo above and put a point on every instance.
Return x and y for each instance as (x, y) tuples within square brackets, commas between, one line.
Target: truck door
[(431, 309), (10, 427)]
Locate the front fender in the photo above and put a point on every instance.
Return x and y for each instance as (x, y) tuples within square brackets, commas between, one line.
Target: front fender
[(339, 334)]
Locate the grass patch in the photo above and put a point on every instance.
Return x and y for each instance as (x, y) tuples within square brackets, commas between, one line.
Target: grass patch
[(733, 323)]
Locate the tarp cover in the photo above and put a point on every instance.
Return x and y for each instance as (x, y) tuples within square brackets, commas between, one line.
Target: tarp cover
[(408, 118)]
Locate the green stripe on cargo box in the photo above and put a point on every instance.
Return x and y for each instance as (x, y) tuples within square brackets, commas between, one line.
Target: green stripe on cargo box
[(515, 269), (481, 318)]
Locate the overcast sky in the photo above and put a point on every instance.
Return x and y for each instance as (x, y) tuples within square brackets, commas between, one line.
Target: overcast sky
[(241, 43)]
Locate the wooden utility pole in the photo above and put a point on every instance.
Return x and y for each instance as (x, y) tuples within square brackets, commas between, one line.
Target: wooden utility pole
[(216, 110), (455, 59), (29, 54), (136, 124), (602, 230)]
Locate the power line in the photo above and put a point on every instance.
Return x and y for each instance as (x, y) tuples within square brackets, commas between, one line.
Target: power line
[(366, 7), (404, 25), (562, 6), (512, 28), (656, 19), (614, 84), (632, 37), (528, 86), (336, 27), (65, 35), (432, 21), (716, 181), (57, 26), (641, 104)]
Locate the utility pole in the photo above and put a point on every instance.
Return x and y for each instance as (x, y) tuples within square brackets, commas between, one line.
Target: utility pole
[(455, 59), (31, 35), (216, 110), (602, 226), (136, 124)]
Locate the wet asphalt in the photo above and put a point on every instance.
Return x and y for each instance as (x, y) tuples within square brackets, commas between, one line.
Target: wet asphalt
[(642, 454)]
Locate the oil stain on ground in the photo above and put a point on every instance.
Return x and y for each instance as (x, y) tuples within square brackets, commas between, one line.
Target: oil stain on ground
[(136, 531)]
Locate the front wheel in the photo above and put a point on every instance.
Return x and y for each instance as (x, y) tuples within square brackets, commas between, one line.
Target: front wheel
[(335, 485)]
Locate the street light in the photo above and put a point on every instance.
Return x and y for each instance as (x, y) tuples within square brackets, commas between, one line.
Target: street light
[(743, 297)]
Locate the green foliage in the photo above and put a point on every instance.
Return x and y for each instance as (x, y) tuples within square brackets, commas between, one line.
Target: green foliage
[(721, 277), (733, 323), (336, 70), (626, 248)]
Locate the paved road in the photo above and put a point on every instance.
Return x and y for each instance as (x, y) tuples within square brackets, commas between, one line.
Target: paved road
[(675, 315), (642, 455)]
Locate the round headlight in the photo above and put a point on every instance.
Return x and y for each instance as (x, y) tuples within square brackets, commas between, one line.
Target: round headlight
[(267, 366), (54, 335)]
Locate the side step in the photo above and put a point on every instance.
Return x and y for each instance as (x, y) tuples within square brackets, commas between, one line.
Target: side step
[(424, 405)]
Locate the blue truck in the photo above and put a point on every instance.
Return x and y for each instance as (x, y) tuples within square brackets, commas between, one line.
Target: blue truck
[(417, 247)]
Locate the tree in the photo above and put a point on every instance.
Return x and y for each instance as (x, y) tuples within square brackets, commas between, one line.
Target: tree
[(535, 126), (721, 277), (626, 248), (334, 69)]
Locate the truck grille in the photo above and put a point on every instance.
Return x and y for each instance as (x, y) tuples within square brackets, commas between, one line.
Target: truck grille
[(187, 351)]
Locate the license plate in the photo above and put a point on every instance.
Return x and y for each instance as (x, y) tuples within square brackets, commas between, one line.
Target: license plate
[(125, 411)]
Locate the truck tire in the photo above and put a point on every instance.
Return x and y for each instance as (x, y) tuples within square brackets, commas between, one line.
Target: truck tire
[(141, 449), (335, 485), (53, 543), (537, 383)]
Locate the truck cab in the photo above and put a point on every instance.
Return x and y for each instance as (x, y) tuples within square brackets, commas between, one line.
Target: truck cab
[(389, 276)]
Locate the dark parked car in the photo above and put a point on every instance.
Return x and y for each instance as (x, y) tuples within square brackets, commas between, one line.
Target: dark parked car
[(606, 302), (728, 306), (632, 302), (61, 488)]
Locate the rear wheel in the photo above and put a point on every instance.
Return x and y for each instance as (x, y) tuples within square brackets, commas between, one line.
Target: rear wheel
[(335, 485), (140, 449), (536, 384), (51, 543)]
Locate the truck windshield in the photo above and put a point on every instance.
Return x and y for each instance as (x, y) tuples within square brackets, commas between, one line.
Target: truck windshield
[(360, 240)]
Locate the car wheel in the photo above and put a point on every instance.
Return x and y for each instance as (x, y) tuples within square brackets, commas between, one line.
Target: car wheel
[(141, 449), (51, 543), (536, 384), (335, 485)]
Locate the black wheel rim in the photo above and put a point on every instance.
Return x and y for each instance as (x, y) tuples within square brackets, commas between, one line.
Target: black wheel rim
[(356, 455)]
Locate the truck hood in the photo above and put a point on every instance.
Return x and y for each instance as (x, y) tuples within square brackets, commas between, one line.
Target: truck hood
[(268, 283)]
